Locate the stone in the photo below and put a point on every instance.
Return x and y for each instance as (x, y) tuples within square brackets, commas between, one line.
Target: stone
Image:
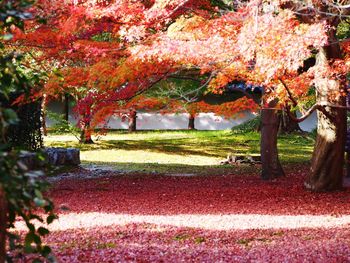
[(63, 156), (241, 159), (73, 156), (54, 156)]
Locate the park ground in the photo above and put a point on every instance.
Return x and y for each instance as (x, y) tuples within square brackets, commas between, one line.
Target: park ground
[(163, 197)]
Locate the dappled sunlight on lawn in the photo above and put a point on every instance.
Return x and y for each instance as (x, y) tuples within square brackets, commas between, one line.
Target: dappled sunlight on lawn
[(179, 147), (60, 138), (141, 156), (151, 135)]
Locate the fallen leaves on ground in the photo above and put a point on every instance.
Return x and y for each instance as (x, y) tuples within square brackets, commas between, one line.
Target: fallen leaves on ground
[(153, 218)]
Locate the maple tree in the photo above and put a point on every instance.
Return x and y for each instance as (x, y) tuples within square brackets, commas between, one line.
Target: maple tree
[(267, 44), (84, 46), (122, 46)]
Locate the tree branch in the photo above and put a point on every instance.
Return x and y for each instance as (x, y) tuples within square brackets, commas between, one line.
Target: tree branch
[(320, 107), (184, 78), (290, 95), (306, 115)]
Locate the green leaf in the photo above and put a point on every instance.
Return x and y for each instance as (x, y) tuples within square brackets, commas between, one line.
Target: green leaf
[(43, 231), (10, 116), (46, 251), (37, 239), (39, 202), (38, 193), (51, 218), (29, 239)]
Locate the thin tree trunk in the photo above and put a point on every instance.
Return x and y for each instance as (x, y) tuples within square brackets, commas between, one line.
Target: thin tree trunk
[(66, 107), (287, 125), (85, 135), (43, 114), (3, 224), (328, 157), (271, 166), (132, 121), (191, 120)]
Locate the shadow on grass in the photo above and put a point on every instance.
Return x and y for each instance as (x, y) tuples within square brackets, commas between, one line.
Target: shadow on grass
[(293, 148), (175, 168)]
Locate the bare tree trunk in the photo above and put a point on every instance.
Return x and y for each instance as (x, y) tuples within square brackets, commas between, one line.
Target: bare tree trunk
[(191, 120), (43, 114), (66, 107), (132, 121), (271, 166), (85, 135), (3, 224), (287, 125), (328, 157)]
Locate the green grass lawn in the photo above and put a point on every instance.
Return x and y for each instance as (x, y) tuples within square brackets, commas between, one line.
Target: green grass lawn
[(179, 151)]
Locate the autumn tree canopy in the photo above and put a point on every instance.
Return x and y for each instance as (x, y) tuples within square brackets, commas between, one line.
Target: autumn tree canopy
[(114, 50)]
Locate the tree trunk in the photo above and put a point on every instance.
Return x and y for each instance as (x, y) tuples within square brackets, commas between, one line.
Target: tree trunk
[(3, 224), (287, 125), (271, 166), (132, 121), (328, 157), (43, 114), (191, 120), (66, 107), (85, 135)]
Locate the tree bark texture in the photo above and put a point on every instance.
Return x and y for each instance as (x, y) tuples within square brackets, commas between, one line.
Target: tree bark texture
[(191, 120), (3, 224), (271, 166), (132, 121), (327, 163), (328, 157)]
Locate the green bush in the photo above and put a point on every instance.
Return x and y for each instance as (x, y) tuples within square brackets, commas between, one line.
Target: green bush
[(248, 126), (21, 190), (62, 126)]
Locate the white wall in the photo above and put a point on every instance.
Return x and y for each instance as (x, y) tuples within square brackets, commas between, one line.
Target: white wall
[(156, 121), (310, 123), (204, 121)]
